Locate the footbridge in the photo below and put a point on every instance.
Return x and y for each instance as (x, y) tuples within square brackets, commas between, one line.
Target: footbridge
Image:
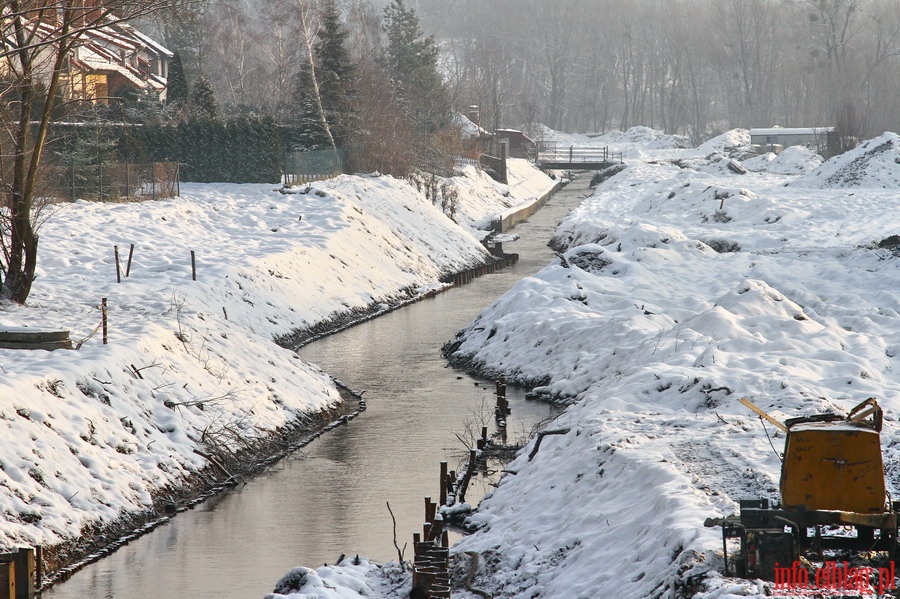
[(586, 158)]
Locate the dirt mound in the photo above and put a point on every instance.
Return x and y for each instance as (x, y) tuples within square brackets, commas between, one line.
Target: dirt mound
[(873, 164)]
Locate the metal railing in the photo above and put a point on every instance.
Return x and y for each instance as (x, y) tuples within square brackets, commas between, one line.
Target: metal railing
[(554, 152)]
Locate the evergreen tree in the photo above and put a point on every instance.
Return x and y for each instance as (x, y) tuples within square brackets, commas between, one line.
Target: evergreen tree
[(411, 61), (310, 132), (335, 72), (203, 100), (177, 87)]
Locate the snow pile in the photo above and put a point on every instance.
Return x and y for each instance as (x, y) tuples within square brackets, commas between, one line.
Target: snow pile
[(644, 136), (730, 139), (545, 134), (192, 364), (676, 294), (873, 164), (794, 160), (481, 198)]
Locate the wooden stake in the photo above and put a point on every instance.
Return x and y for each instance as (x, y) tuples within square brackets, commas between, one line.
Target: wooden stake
[(193, 267), (128, 266), (470, 470), (443, 492), (103, 311), (118, 269), (38, 566), (430, 510)]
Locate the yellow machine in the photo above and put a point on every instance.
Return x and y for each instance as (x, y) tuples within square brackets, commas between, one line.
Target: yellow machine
[(832, 477)]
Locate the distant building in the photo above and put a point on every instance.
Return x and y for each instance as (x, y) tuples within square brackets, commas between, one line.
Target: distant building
[(114, 61), (107, 61), (520, 145), (775, 139)]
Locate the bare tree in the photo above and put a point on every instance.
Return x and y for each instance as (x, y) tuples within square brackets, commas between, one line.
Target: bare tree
[(234, 55), (752, 46), (36, 39), (281, 52)]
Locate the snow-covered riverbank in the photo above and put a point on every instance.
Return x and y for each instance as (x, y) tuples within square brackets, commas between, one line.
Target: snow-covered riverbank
[(94, 433), (683, 286)]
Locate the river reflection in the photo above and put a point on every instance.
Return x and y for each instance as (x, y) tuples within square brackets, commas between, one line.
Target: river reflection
[(330, 498)]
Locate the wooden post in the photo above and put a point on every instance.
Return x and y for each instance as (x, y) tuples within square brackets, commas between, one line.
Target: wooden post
[(429, 510), (443, 492), (470, 470), (502, 408), (21, 563), (38, 567), (193, 266), (118, 269), (7, 580), (103, 311), (436, 528), (25, 573), (128, 266)]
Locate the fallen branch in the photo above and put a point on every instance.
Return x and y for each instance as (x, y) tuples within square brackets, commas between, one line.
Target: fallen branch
[(540, 437), (396, 546), (215, 462)]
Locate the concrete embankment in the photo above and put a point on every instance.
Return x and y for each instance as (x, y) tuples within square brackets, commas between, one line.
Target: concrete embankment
[(508, 219)]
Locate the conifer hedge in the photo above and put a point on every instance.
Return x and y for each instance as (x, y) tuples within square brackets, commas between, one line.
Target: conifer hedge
[(234, 150)]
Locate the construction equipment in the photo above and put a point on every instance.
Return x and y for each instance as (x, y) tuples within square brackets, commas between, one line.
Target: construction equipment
[(832, 496)]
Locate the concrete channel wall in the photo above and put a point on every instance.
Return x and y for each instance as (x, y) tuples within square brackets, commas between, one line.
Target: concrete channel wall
[(509, 218)]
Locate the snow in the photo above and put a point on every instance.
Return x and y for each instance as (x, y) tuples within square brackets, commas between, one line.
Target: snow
[(90, 435), (682, 286), (794, 160), (873, 164)]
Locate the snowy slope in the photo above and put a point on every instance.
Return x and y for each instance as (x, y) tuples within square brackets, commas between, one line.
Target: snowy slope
[(683, 286), (682, 289), (89, 434)]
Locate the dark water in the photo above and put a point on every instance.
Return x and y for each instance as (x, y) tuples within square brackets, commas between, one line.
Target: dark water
[(331, 498)]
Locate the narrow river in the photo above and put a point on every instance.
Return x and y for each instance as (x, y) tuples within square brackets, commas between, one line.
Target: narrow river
[(330, 498)]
